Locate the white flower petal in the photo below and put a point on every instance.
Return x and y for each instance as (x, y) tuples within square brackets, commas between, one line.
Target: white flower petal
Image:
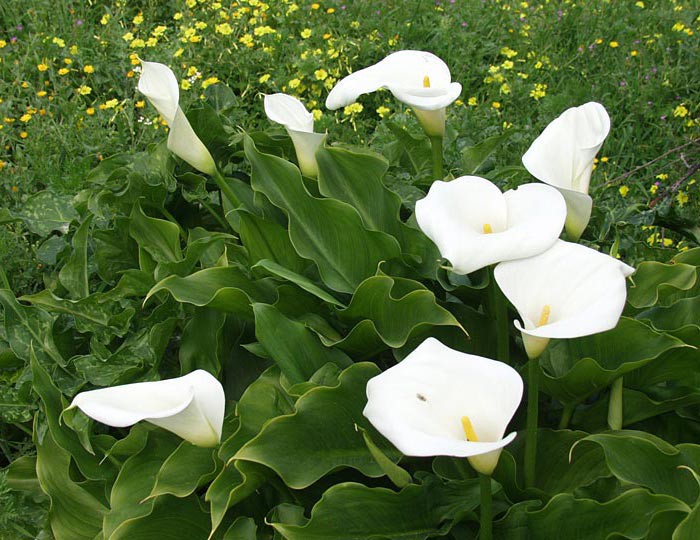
[(404, 73), (456, 214), (191, 406), (584, 289), (418, 404), (578, 212), (437, 99), (305, 145), (563, 154), (183, 142), (159, 84), (289, 111)]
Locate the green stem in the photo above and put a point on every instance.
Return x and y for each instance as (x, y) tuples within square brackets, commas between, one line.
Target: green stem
[(23, 428), (533, 383), (499, 310), (566, 415), (436, 144), (486, 513), (215, 215), (226, 189), (615, 405)]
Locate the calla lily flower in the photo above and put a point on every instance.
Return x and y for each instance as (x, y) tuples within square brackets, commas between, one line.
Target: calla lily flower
[(417, 78), (159, 85), (474, 225), (192, 406), (291, 113), (568, 291), (563, 155), (442, 402)]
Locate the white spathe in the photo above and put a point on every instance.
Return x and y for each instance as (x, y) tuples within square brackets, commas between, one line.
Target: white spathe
[(418, 405), (417, 78), (563, 155), (568, 291), (474, 225), (291, 113), (159, 85), (191, 406)]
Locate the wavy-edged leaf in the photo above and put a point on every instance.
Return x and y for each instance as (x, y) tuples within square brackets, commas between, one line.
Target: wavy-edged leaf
[(629, 515), (74, 274), (321, 435), (653, 281), (293, 347), (160, 238), (305, 283), (575, 368), (186, 469), (244, 528), (326, 231), (225, 288), (46, 211), (351, 511)]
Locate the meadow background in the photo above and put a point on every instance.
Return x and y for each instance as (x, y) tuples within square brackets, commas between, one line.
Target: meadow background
[(68, 99)]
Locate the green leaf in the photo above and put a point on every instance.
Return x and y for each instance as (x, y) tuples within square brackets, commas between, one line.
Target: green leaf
[(575, 368), (400, 477), (202, 340), (74, 274), (326, 231), (22, 475), (303, 282), (473, 157), (653, 281), (641, 459), (416, 149), (351, 511), (293, 347), (244, 528), (628, 515), (75, 514), (158, 237), (184, 471), (321, 435), (46, 211), (225, 288)]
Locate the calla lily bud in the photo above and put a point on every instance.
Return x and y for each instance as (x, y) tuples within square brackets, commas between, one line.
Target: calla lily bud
[(159, 85), (419, 79), (291, 113), (562, 156), (442, 402), (568, 291), (192, 406), (474, 225)]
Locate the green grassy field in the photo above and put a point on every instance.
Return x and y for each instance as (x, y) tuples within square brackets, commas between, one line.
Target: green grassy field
[(68, 99)]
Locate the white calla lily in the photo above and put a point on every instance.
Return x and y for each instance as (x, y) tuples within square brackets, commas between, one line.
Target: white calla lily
[(442, 402), (563, 155), (159, 85), (417, 78), (568, 291), (291, 113), (191, 406), (474, 225)]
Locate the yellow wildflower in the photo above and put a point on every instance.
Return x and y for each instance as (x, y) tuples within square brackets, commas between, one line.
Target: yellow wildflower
[(63, 71), (223, 29), (624, 190), (382, 111), (315, 6), (662, 176), (24, 135), (73, 49), (177, 16), (264, 78), (496, 105), (321, 74), (614, 44), (138, 19), (639, 4), (206, 83), (472, 102), (105, 18), (294, 83), (140, 104), (185, 84), (58, 41), (306, 33), (653, 189), (128, 36), (3, 43), (25, 118), (318, 113), (507, 64), (138, 43), (538, 92), (111, 103), (200, 25), (682, 198), (353, 108), (247, 40), (43, 66), (84, 90), (89, 69), (681, 111), (40, 93)]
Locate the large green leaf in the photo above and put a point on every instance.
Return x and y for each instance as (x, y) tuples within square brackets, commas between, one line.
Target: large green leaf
[(293, 347), (75, 514), (302, 281), (225, 288), (654, 281), (326, 231), (160, 238), (350, 511), (74, 274), (565, 517), (575, 368), (321, 435), (186, 469), (474, 157), (201, 345), (46, 211)]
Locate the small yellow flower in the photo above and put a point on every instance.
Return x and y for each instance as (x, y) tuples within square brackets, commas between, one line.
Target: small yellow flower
[(538, 92), (355, 25), (318, 113), (111, 104), (294, 83), (624, 190), (25, 118), (639, 4), (178, 53), (614, 44), (223, 29), (3, 43), (507, 64), (138, 43), (653, 189), (538, 65), (140, 104), (177, 16), (84, 90), (264, 78), (678, 27), (159, 30), (598, 41), (40, 93), (90, 111), (73, 49), (306, 33), (247, 40), (89, 69), (604, 159), (130, 74), (24, 135), (504, 89), (42, 67), (185, 84), (200, 25), (472, 102), (633, 53), (496, 105), (681, 111), (63, 71), (382, 111), (206, 83), (128, 36), (151, 42), (662, 176), (315, 6), (58, 41), (682, 198), (105, 18), (68, 61), (321, 74), (353, 108)]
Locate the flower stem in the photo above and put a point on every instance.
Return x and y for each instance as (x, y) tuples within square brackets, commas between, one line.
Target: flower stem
[(486, 513), (499, 310), (226, 189), (566, 415), (615, 405), (215, 215), (436, 144), (533, 383)]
